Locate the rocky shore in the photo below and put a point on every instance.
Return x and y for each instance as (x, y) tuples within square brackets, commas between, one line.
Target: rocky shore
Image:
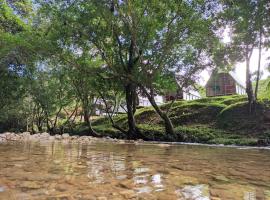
[(66, 138), (27, 136)]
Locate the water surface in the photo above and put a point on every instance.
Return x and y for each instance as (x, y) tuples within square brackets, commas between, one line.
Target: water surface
[(57, 170)]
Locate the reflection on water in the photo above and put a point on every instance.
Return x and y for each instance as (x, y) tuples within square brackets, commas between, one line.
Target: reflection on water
[(127, 171)]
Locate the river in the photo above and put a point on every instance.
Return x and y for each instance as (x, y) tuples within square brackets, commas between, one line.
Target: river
[(110, 171)]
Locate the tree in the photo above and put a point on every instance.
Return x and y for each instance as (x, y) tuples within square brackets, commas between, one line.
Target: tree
[(15, 19), (141, 42), (82, 77), (248, 22)]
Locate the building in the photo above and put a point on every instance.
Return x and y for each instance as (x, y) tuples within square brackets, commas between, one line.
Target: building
[(183, 94), (144, 102), (223, 83)]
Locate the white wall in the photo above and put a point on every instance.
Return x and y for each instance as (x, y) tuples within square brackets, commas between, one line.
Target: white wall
[(143, 101)]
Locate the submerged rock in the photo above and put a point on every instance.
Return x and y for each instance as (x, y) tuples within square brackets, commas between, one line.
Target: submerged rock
[(197, 192), (30, 185), (221, 178), (128, 194), (2, 189)]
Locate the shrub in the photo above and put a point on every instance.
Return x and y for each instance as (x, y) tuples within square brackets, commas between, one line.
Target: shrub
[(153, 132), (237, 117), (195, 113)]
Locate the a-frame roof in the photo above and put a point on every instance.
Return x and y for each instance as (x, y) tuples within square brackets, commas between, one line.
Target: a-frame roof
[(232, 74)]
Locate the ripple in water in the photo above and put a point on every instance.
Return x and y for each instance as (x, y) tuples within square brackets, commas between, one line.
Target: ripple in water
[(56, 170)]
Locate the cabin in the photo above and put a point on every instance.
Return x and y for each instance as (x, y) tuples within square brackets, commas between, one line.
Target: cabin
[(223, 83), (182, 94), (144, 102)]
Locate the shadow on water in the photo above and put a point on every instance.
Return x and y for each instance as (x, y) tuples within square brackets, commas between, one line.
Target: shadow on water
[(56, 170)]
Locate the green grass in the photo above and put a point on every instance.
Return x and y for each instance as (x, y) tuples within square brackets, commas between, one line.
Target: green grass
[(215, 120), (263, 92)]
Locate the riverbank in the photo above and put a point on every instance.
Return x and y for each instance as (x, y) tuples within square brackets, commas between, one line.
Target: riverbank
[(217, 120), (9, 137)]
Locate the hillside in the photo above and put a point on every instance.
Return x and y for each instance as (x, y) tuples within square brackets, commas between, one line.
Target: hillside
[(217, 120), (262, 90)]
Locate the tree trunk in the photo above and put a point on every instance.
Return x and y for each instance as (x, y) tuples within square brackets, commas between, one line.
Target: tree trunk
[(249, 89), (49, 129), (112, 113), (132, 130), (259, 66), (163, 115), (39, 124), (86, 117)]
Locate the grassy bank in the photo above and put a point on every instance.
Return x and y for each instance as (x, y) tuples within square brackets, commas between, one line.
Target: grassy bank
[(217, 120)]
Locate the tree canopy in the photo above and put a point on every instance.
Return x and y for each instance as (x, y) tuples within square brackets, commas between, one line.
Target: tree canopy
[(64, 60)]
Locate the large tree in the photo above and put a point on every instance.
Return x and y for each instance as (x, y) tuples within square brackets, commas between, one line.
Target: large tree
[(141, 42), (248, 22)]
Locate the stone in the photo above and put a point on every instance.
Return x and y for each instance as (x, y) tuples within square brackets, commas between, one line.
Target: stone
[(65, 136), (221, 178), (163, 145), (102, 198), (45, 134), (128, 194), (61, 187), (30, 185), (2, 189), (58, 137), (194, 192)]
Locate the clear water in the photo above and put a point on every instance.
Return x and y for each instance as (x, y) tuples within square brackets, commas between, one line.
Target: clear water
[(57, 170)]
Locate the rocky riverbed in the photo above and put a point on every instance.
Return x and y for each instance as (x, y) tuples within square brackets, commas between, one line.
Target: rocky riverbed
[(42, 166), (27, 136)]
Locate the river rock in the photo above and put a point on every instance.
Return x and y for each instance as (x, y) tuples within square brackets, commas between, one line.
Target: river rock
[(2, 189), (65, 136), (102, 198), (194, 192), (44, 135), (58, 137), (51, 138), (26, 135), (30, 185), (61, 187), (74, 137), (221, 178), (128, 194)]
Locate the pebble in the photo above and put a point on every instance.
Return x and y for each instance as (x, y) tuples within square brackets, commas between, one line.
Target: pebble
[(65, 136), (128, 194), (2, 189), (29, 185)]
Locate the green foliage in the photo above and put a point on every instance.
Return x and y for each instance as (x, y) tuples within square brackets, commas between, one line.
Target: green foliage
[(264, 88), (236, 117), (58, 58), (13, 15), (195, 113), (217, 120), (153, 132)]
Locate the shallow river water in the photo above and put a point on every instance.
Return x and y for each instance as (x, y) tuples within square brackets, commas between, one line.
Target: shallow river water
[(111, 171)]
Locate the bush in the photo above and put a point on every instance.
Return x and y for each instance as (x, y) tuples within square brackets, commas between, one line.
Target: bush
[(153, 132), (195, 113), (195, 134), (237, 117)]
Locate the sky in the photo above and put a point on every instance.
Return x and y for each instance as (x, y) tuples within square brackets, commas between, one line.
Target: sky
[(240, 68)]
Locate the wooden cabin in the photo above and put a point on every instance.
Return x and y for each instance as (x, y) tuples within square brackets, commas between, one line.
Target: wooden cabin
[(224, 83)]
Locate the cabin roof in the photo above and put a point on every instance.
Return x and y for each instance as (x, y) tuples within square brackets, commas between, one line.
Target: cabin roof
[(232, 74)]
